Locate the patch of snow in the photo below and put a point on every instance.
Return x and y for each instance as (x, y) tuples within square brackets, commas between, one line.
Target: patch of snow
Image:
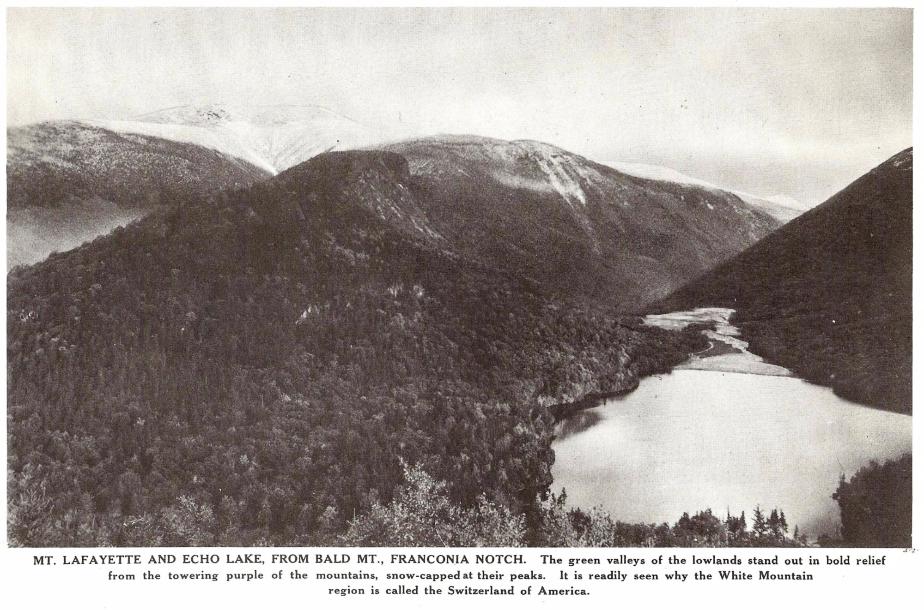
[(779, 211), (521, 182), (657, 172), (903, 160), (273, 138), (221, 140), (566, 186)]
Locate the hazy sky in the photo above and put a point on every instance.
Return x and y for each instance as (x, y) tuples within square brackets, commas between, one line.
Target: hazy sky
[(798, 102)]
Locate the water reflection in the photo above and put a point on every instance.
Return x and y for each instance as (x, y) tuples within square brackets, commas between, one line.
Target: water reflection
[(580, 421)]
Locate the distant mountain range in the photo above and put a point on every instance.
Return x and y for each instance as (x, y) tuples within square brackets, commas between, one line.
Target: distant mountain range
[(532, 207), (276, 138), (829, 294)]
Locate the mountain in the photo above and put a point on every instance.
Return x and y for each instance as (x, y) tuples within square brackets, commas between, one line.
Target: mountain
[(641, 250), (575, 226), (68, 182), (273, 138), (829, 294), (277, 137), (781, 207), (253, 369)]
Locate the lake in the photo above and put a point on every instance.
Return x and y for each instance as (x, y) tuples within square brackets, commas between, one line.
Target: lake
[(726, 432)]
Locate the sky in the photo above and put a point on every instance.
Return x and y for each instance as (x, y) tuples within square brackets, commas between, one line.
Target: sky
[(795, 102)]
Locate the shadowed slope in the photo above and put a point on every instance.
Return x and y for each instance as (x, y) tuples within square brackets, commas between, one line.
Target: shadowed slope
[(829, 294)]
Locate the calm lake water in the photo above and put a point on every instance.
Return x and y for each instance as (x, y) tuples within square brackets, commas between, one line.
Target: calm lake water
[(741, 434)]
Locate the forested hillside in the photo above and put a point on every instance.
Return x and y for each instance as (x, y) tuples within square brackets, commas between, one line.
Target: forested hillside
[(261, 362), (829, 294), (876, 505)]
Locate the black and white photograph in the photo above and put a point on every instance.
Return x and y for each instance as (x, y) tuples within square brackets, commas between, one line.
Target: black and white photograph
[(459, 277)]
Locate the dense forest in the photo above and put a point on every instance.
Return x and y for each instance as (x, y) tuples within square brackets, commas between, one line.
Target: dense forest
[(829, 294), (876, 506), (254, 369)]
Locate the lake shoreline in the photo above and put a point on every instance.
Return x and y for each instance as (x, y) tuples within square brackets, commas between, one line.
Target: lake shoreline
[(565, 410), (678, 441)]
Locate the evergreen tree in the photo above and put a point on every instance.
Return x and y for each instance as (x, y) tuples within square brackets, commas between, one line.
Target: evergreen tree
[(760, 527), (773, 524)]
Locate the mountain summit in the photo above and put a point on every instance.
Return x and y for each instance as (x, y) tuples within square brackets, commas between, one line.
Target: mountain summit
[(273, 138)]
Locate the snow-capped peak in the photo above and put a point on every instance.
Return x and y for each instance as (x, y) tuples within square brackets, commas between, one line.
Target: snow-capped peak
[(271, 137)]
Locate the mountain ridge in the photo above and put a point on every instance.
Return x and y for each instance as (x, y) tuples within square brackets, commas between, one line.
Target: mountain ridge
[(273, 137), (572, 223), (782, 207), (68, 182), (588, 236)]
